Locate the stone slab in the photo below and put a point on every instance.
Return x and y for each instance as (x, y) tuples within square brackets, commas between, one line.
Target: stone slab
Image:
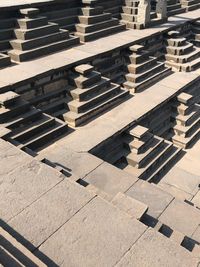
[(48, 213), (156, 199), (24, 184), (131, 206), (110, 179), (182, 217), (105, 235), (153, 249)]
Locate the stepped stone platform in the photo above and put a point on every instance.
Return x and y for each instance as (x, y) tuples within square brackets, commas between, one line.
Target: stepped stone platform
[(37, 37), (99, 143)]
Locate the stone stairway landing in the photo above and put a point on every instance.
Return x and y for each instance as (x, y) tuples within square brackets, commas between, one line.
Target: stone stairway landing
[(29, 127), (36, 37)]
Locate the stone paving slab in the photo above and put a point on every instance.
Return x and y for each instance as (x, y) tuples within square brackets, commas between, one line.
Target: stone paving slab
[(48, 213), (110, 179), (98, 235), (21, 186), (153, 249), (9, 4), (182, 217), (156, 199), (78, 164)]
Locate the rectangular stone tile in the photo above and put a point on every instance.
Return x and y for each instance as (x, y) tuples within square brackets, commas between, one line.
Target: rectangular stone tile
[(155, 198), (23, 185), (98, 235), (11, 157), (42, 218), (182, 179), (79, 164), (182, 217), (155, 250), (110, 179)]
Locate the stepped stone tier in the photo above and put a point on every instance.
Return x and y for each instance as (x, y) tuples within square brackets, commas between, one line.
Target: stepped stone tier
[(143, 69), (94, 23), (37, 37), (92, 95), (100, 140), (181, 55), (187, 120)]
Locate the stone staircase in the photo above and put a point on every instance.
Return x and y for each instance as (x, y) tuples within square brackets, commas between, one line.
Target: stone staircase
[(174, 7), (13, 253), (190, 5), (7, 25), (181, 54), (148, 155), (4, 60), (28, 127), (65, 18), (112, 6), (144, 70), (36, 37), (195, 38), (94, 23), (187, 120), (92, 95)]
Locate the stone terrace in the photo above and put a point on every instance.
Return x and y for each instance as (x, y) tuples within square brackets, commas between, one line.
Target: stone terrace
[(99, 133)]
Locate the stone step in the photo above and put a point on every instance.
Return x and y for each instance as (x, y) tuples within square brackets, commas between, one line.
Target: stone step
[(20, 56), (191, 7), (99, 34), (33, 129), (189, 66), (180, 50), (45, 137), (83, 28), (31, 115), (60, 13), (172, 155), (139, 58), (76, 119), (5, 45), (87, 81), (129, 17), (171, 2), (81, 107), (176, 41), (139, 132), (185, 142), (184, 58), (92, 11), (189, 2), (24, 45), (186, 131), (56, 107), (138, 68), (94, 19), (4, 60), (88, 93), (176, 11), (138, 160), (29, 23), (131, 3), (7, 23), (173, 7), (19, 108), (130, 10), (187, 119), (8, 99), (136, 78), (6, 34), (27, 34), (136, 87), (64, 21)]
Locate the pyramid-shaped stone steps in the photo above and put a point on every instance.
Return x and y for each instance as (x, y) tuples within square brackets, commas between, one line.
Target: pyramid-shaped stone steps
[(35, 37), (187, 127), (29, 127), (144, 70), (92, 95), (94, 24), (181, 55), (149, 155)]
